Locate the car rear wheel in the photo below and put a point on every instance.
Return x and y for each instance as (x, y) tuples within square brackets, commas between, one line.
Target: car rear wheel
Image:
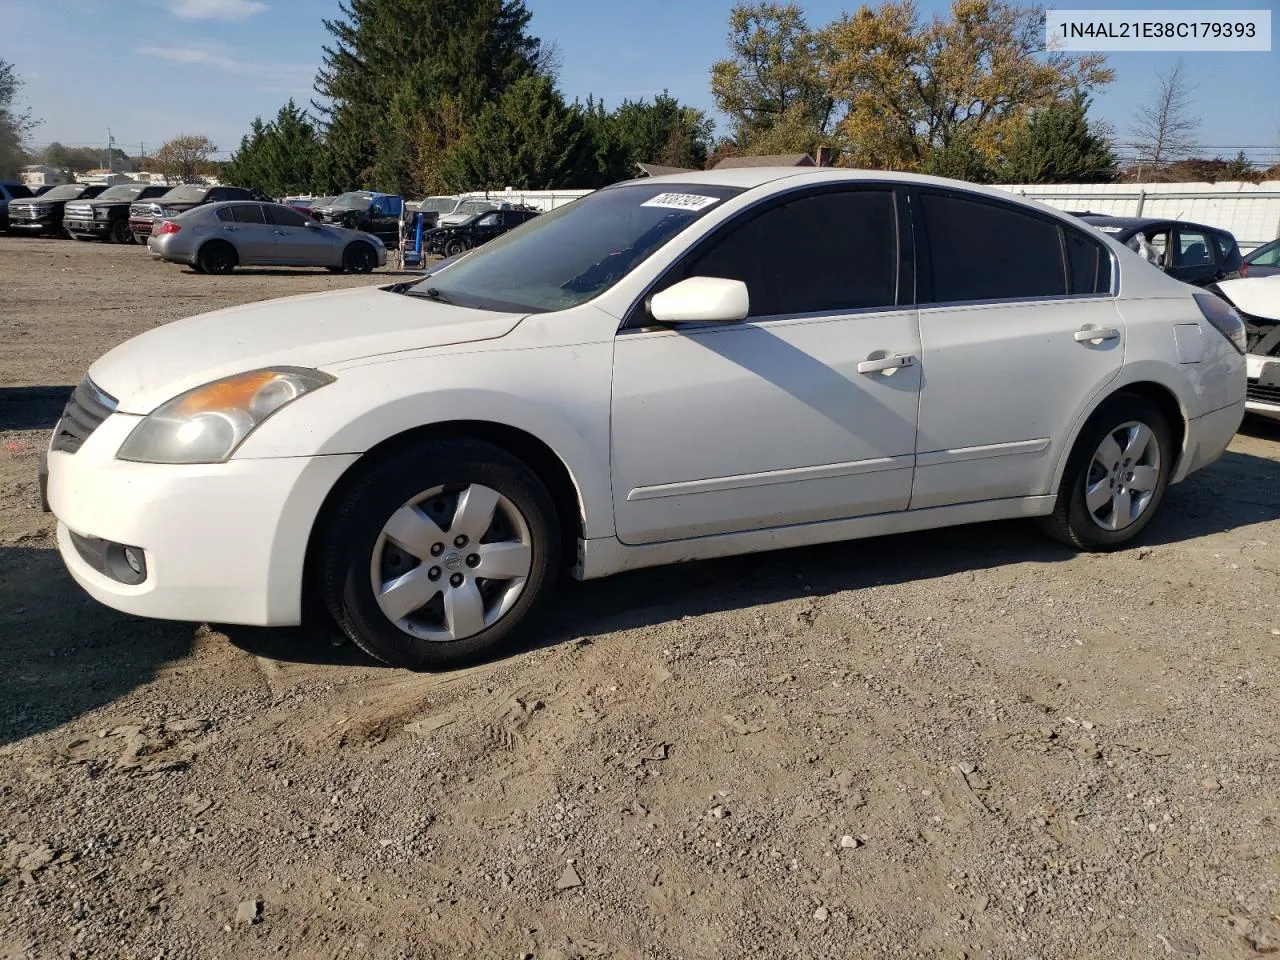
[(217, 257), (359, 258), (1116, 476), (455, 247), (138, 238), (438, 553), (120, 232)]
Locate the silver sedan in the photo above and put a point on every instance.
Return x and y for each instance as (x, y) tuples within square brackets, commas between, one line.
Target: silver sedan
[(218, 237)]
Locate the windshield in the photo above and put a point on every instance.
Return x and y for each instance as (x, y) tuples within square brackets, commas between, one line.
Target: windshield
[(68, 191), (123, 191), (576, 252), (188, 193), (437, 204), (469, 207), (353, 201)]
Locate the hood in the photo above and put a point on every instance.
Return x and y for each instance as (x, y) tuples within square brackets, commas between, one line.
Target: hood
[(1256, 296), (310, 330)]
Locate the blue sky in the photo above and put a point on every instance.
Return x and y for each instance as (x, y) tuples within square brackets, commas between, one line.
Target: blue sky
[(150, 69)]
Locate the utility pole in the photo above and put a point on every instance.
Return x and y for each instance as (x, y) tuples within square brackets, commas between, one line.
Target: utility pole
[(111, 146)]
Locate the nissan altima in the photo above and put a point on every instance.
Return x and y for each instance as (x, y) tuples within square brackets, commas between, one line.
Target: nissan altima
[(664, 370)]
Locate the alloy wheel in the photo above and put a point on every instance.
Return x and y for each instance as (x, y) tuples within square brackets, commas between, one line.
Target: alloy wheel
[(451, 562), (1123, 476)]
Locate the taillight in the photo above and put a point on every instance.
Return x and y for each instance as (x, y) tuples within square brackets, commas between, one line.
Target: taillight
[(168, 227), (1224, 319), (1244, 269)]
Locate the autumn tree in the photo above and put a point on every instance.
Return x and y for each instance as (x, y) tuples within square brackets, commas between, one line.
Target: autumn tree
[(1164, 128), (184, 157), (772, 85), (15, 124), (958, 85), (1058, 144)]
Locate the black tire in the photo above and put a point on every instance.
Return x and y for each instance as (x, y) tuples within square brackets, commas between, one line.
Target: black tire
[(359, 257), (1072, 522), (196, 268), (121, 232), (336, 269), (351, 532), (217, 257), (84, 237), (455, 247), (138, 238)]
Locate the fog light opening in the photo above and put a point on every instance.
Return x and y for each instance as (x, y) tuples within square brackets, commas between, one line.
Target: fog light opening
[(133, 557)]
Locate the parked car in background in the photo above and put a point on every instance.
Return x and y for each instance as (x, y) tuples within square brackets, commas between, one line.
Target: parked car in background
[(106, 216), (1257, 300), (366, 210), (178, 200), (665, 370), (43, 215), (474, 232), (44, 188), (1190, 252), (218, 237), (10, 190), (464, 210), (431, 208), (1262, 262)]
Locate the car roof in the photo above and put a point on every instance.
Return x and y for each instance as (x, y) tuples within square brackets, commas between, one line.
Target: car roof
[(1142, 223)]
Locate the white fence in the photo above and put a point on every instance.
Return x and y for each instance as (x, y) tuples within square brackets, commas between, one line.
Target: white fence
[(1250, 211), (542, 200)]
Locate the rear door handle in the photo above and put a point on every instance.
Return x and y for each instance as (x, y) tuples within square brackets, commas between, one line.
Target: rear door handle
[(1096, 334), (230, 229), (891, 362)]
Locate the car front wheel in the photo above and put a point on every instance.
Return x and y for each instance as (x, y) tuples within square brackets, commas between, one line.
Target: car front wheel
[(217, 257), (455, 247), (120, 232), (437, 553), (359, 258), (1116, 476)]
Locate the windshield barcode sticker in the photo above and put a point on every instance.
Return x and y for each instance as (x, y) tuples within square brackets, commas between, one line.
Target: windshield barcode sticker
[(681, 201)]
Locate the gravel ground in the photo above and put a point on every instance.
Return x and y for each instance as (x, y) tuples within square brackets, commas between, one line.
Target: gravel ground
[(971, 743)]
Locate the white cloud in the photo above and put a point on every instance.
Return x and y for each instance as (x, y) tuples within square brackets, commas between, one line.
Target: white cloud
[(215, 9), (290, 77)]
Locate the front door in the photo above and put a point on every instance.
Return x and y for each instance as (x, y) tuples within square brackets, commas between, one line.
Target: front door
[(1018, 331), (805, 412), (296, 243)]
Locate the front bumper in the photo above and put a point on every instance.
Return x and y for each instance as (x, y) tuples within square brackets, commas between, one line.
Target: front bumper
[(224, 543), (38, 225), (1262, 399), (97, 228)]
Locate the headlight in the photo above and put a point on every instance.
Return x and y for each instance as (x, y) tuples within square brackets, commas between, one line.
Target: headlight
[(101, 213), (205, 425)]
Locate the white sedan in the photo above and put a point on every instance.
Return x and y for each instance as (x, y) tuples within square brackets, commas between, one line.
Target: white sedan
[(1257, 299), (665, 370)]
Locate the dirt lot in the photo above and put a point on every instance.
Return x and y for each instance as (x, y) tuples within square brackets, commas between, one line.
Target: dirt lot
[(971, 743)]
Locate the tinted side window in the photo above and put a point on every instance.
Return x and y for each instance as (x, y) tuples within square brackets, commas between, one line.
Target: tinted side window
[(489, 220), (833, 251), (285, 217), (1193, 250), (223, 214), (987, 251), (1089, 262), (1226, 246), (247, 213)]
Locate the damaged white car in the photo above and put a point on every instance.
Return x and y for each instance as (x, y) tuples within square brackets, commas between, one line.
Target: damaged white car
[(1257, 300)]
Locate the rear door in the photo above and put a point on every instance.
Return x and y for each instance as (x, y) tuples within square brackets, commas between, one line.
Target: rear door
[(248, 230), (1008, 301), (1195, 257)]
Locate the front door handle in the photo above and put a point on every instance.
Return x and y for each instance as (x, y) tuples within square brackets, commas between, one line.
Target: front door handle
[(889, 363), (1096, 334), (230, 229)]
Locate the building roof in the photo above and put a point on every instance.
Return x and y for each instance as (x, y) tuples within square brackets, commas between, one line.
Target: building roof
[(661, 170), (775, 160)]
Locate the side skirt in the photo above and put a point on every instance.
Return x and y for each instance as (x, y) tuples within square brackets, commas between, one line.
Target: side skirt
[(607, 555)]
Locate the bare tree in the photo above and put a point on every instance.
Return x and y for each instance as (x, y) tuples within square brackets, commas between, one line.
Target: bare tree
[(184, 157), (1165, 129)]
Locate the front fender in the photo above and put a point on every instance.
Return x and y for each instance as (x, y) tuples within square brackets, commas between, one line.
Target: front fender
[(559, 395)]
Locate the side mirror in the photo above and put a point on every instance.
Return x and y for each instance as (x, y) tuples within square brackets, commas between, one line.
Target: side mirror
[(702, 300)]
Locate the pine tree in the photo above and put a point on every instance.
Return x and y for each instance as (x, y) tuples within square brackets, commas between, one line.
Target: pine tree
[(279, 158), (1058, 145)]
